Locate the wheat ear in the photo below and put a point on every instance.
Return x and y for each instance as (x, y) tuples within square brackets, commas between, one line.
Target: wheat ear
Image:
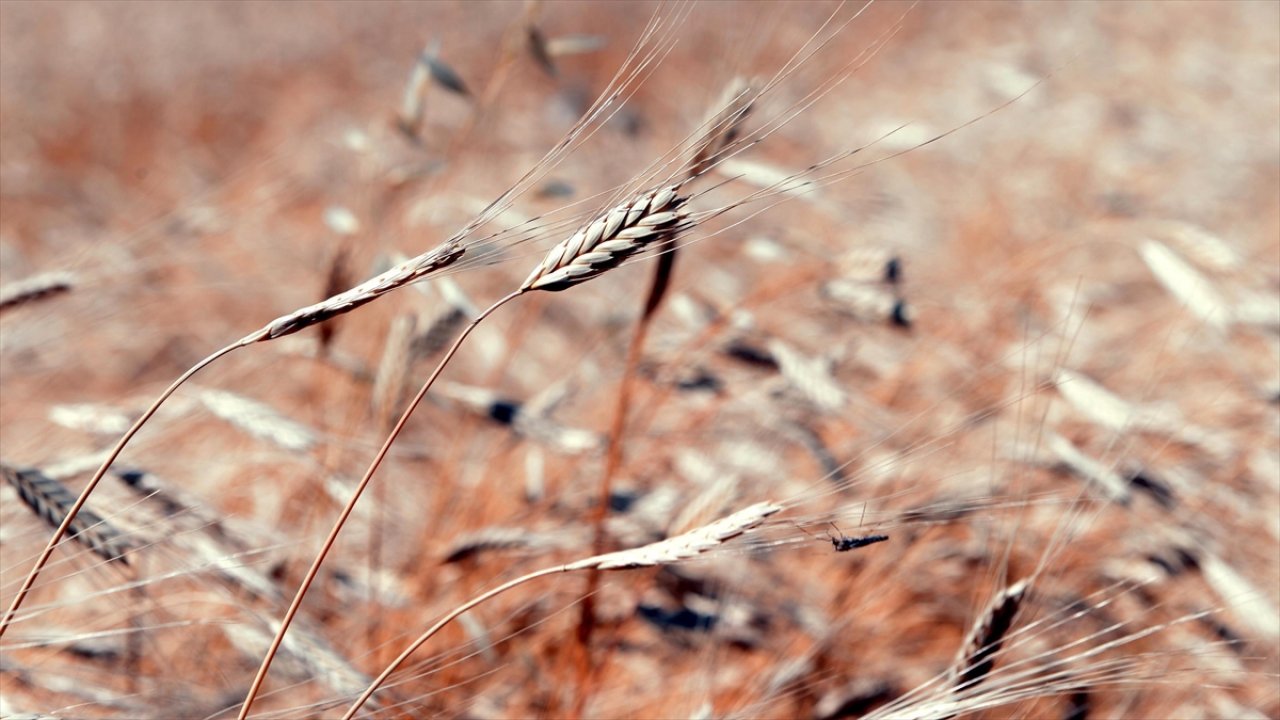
[(719, 133), (49, 499), (332, 538), (977, 655), (406, 272), (665, 552)]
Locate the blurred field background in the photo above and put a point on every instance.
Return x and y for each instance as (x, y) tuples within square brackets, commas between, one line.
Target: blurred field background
[(1089, 383)]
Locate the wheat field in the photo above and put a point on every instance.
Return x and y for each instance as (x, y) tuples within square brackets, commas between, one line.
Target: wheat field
[(833, 359)]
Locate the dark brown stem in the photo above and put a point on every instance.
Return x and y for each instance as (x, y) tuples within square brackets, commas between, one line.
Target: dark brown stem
[(613, 460)]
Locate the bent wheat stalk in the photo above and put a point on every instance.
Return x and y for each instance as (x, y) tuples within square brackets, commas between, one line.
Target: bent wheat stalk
[(665, 552), (721, 132), (332, 538), (49, 499), (407, 272), (601, 245)]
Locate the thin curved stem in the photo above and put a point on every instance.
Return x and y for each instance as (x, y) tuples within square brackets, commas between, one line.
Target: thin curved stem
[(395, 664), (587, 670), (61, 531), (351, 504)]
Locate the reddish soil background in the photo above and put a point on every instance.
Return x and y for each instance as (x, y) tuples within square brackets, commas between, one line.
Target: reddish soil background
[(180, 161)]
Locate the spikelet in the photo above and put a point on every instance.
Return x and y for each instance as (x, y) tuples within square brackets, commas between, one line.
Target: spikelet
[(610, 239)]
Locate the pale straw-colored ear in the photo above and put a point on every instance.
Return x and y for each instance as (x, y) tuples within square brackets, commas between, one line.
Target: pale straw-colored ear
[(608, 240)]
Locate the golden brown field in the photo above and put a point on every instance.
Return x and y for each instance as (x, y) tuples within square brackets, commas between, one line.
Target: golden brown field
[(1041, 355)]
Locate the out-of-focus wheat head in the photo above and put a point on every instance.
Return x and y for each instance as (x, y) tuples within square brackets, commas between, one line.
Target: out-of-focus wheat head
[(1039, 354)]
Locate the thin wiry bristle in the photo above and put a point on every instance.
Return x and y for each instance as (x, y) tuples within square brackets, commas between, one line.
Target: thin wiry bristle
[(723, 128), (393, 369), (49, 500)]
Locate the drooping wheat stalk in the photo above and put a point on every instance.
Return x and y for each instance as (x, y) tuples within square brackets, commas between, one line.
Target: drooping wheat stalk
[(664, 552), (603, 244), (407, 272)]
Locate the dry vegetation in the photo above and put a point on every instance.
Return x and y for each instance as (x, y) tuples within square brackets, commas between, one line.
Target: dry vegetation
[(1041, 355)]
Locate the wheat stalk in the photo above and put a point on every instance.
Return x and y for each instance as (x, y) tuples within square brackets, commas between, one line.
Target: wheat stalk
[(406, 272), (602, 244), (719, 135), (665, 552)]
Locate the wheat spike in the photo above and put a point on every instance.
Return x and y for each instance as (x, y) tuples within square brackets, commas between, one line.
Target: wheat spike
[(443, 326), (49, 499), (500, 538), (1100, 474), (1195, 291), (414, 268), (610, 239), (868, 303), (308, 654), (35, 288), (722, 128), (682, 547), (977, 655), (810, 376), (672, 550), (414, 101), (258, 419), (336, 279), (90, 417)]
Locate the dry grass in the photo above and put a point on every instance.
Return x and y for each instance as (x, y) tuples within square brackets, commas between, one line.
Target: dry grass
[(1042, 347)]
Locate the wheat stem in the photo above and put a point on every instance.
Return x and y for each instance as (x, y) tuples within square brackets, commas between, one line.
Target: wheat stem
[(407, 272), (664, 552), (351, 504), (74, 510)]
